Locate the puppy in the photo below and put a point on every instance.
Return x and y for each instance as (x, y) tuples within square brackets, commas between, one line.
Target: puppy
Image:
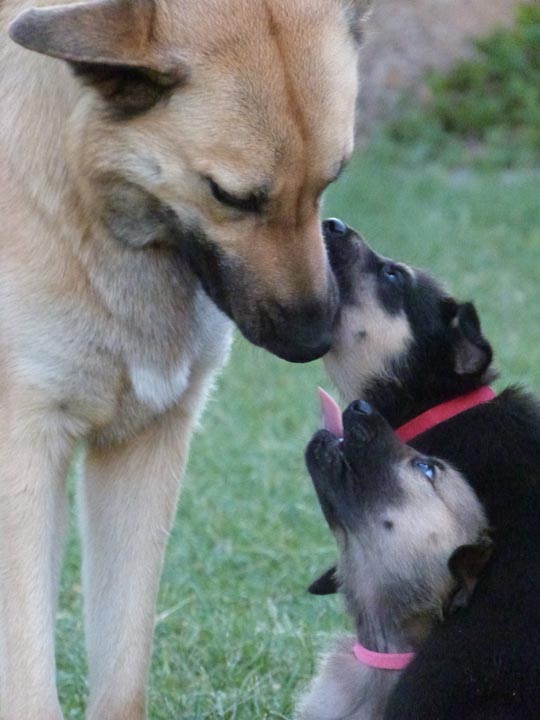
[(420, 358), (401, 520)]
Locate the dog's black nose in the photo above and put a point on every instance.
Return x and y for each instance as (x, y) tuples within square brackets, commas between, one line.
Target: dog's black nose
[(361, 407), (335, 228)]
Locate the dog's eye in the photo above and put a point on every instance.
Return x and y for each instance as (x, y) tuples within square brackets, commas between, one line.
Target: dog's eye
[(251, 203), (392, 275), (426, 468)]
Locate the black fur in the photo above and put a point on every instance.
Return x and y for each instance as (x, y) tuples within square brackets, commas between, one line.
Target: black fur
[(128, 91), (483, 663)]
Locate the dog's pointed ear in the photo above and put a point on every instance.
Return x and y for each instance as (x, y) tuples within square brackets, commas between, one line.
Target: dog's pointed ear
[(109, 32), (326, 584), (357, 11), (111, 47), (472, 352), (466, 565)]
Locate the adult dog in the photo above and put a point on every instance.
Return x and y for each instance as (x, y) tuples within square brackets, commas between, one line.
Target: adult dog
[(160, 171)]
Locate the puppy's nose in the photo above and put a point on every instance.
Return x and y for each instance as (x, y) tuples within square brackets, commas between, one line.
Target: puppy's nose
[(334, 228), (361, 407)]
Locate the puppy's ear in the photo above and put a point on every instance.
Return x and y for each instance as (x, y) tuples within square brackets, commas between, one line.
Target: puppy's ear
[(466, 565), (327, 584), (449, 309), (472, 352)]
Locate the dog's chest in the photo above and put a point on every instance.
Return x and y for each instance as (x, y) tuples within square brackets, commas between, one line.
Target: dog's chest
[(157, 388), (139, 337), (174, 348)]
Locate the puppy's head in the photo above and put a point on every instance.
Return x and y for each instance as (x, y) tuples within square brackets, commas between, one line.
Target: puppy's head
[(216, 126), (399, 336), (408, 526)]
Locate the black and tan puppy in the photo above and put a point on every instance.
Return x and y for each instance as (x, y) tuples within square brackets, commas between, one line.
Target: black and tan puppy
[(405, 346), (409, 527)]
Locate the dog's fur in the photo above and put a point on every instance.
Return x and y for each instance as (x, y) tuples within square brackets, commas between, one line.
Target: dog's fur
[(482, 662), (409, 528), (160, 170)]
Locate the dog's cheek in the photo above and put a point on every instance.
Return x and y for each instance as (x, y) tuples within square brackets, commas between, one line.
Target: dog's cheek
[(136, 218)]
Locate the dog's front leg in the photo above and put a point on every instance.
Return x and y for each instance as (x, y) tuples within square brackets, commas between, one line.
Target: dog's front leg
[(128, 505), (34, 455)]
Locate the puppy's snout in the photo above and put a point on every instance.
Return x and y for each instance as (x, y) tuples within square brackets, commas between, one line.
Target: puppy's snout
[(334, 228), (360, 423)]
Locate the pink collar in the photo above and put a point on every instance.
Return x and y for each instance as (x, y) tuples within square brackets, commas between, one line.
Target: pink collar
[(444, 411), (382, 661)]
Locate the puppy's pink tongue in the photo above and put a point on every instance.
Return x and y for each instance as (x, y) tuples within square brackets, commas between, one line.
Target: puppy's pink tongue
[(333, 421)]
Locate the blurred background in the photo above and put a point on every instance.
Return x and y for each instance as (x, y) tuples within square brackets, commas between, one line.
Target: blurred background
[(447, 176)]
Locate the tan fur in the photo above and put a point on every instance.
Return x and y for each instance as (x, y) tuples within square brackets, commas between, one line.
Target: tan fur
[(110, 343), (338, 691), (365, 342)]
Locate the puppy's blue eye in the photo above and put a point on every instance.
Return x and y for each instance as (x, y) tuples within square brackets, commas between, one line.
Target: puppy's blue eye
[(427, 468), (392, 275)]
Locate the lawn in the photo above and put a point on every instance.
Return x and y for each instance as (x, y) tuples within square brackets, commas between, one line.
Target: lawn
[(237, 635)]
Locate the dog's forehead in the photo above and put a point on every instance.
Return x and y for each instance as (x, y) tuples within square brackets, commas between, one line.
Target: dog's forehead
[(284, 76)]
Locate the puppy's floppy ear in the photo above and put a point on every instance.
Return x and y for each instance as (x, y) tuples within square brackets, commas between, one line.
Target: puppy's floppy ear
[(327, 584), (466, 565), (472, 352)]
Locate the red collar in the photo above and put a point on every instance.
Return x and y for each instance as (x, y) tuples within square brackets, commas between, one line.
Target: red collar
[(441, 413)]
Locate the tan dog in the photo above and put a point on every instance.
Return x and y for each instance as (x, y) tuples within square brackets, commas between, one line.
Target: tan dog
[(177, 158)]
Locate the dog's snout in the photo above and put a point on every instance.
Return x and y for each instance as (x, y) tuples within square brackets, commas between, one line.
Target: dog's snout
[(335, 228), (309, 328), (361, 407)]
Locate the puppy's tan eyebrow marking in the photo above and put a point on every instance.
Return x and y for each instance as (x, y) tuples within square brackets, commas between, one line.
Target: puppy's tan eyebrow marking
[(409, 270)]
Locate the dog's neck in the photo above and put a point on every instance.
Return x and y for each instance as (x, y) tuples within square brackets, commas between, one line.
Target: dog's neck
[(388, 633)]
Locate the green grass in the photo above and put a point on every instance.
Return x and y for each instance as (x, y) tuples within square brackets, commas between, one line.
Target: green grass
[(237, 635)]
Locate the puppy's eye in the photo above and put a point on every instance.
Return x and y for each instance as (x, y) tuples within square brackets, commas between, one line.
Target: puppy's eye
[(427, 468), (392, 275), (251, 203)]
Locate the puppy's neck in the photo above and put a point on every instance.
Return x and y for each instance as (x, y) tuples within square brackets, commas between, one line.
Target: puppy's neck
[(400, 402), (385, 633)]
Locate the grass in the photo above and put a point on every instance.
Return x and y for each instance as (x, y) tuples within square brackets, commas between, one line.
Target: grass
[(237, 636)]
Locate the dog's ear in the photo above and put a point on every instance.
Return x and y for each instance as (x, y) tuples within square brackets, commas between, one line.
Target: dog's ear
[(327, 584), (472, 352), (357, 11), (466, 565), (112, 32), (108, 43)]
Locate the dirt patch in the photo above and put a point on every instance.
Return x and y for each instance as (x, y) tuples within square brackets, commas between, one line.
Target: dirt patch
[(404, 38)]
